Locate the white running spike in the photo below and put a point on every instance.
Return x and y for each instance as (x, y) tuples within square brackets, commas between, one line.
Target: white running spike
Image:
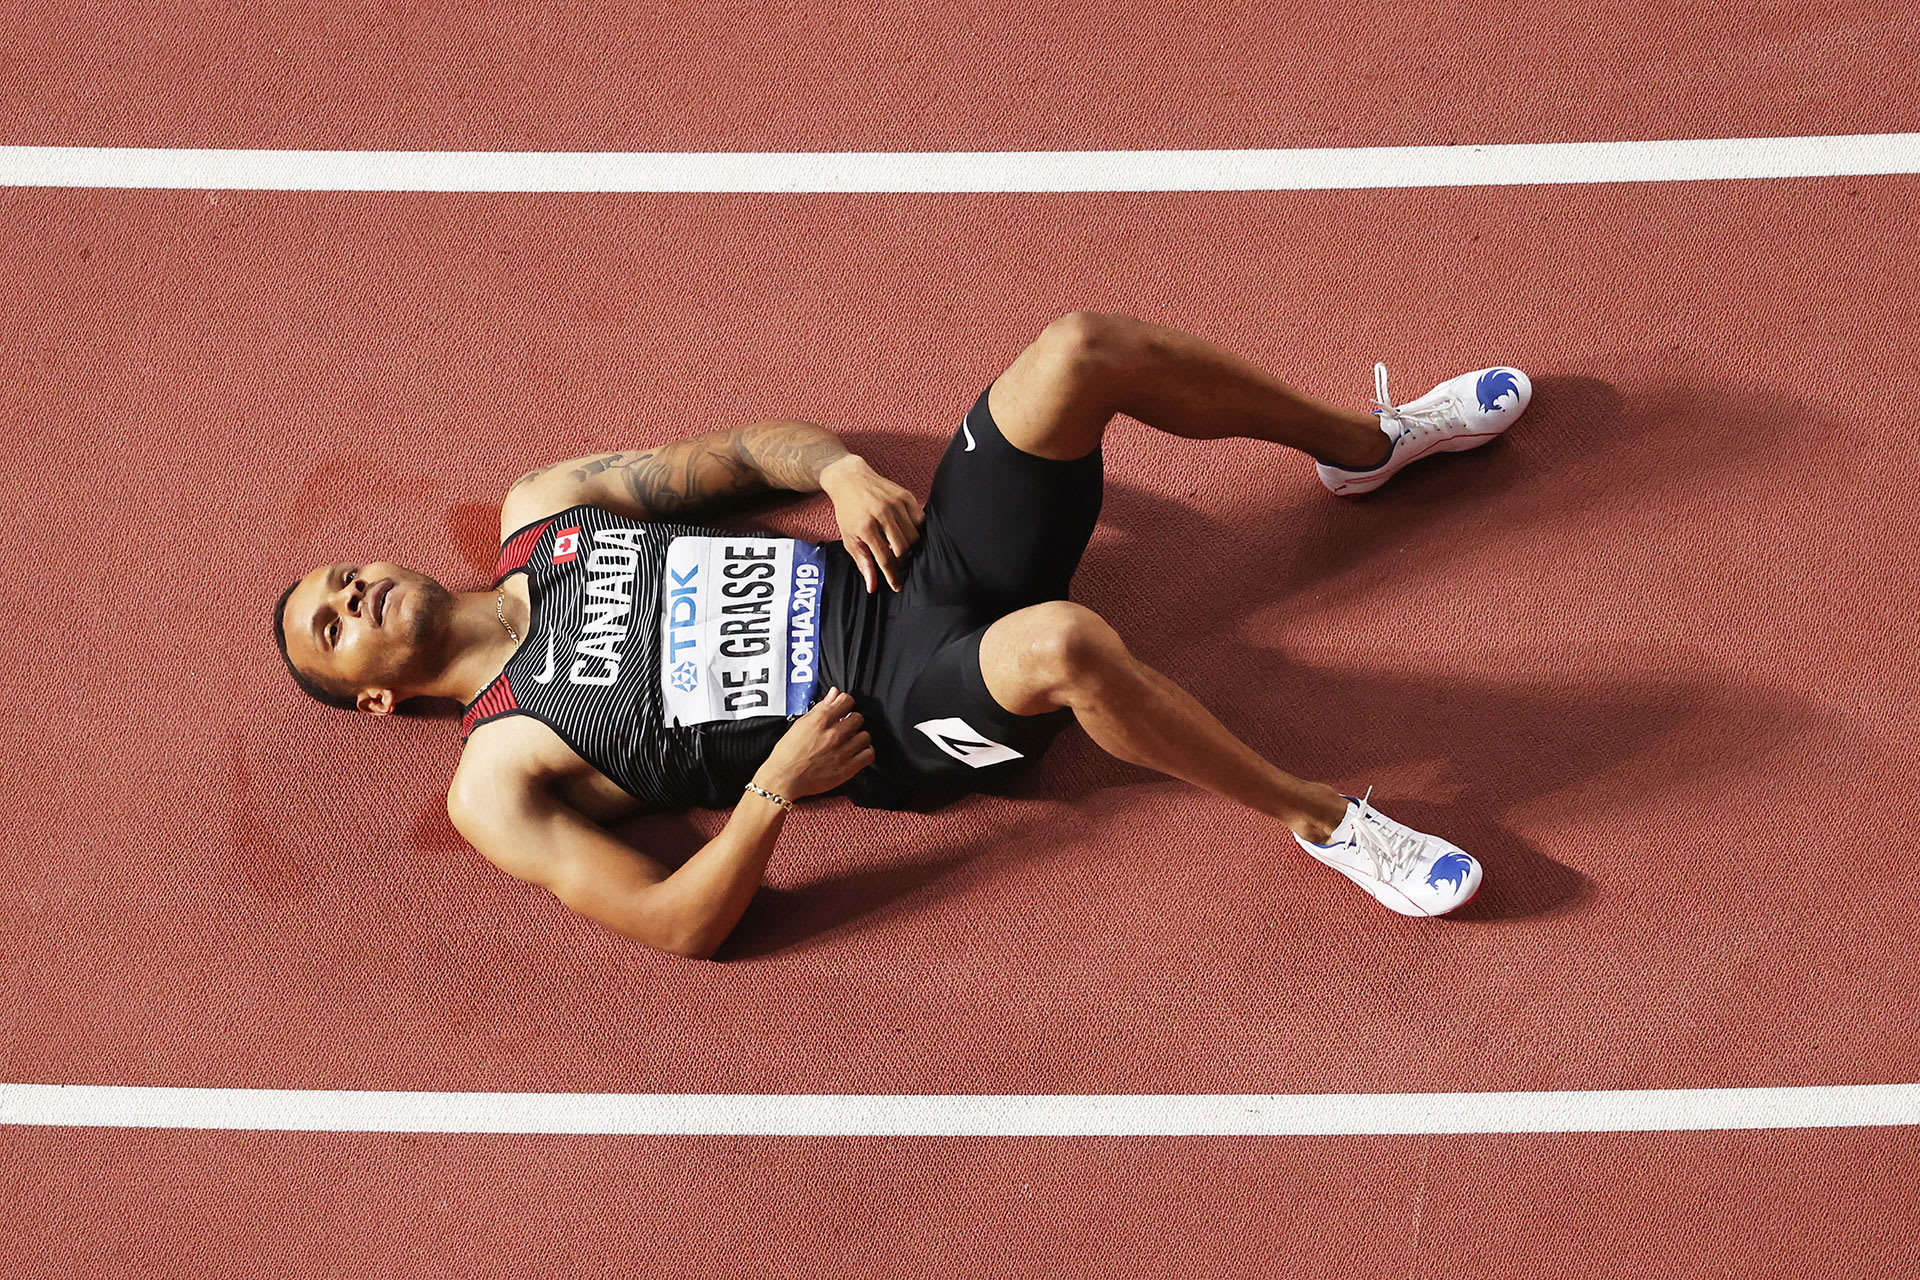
[(1408, 871), (1461, 413)]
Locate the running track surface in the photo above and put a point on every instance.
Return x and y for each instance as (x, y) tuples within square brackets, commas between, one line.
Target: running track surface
[(754, 75), (1642, 657)]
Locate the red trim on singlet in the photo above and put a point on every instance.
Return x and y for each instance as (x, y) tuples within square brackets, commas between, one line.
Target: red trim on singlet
[(518, 549), (496, 699)]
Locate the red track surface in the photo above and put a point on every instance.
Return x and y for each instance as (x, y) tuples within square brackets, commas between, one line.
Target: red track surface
[(1641, 657), (1003, 75), (1635, 655), (1745, 1205)]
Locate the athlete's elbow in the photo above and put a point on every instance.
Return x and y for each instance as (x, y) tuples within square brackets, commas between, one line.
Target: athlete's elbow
[(697, 950), (681, 924), (688, 944), (690, 939), (704, 939)]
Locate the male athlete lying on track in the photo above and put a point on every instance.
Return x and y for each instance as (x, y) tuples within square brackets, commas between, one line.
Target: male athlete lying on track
[(622, 662)]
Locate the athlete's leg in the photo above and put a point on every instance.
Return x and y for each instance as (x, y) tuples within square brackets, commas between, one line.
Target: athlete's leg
[(1055, 399), (1060, 654)]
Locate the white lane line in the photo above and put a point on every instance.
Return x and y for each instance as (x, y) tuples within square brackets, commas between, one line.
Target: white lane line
[(993, 1115), (1331, 168)]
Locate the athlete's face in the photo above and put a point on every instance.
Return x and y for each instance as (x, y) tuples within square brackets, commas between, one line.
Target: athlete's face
[(360, 626)]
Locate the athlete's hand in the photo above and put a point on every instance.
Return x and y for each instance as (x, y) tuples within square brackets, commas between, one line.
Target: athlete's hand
[(821, 750), (878, 519)]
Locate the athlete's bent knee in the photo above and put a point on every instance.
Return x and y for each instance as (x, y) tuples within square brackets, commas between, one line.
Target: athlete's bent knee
[(1048, 656), (1072, 645), (1081, 345)]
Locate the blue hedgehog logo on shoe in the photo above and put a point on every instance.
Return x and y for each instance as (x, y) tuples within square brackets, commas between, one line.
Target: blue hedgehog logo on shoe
[(1493, 384), (1449, 868)]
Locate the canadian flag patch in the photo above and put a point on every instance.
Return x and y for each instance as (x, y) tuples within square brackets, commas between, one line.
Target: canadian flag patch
[(566, 545)]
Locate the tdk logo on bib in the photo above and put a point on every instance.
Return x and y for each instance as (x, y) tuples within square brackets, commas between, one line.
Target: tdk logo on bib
[(739, 629)]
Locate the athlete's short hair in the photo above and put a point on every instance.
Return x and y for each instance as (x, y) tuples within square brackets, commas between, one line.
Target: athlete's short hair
[(315, 688)]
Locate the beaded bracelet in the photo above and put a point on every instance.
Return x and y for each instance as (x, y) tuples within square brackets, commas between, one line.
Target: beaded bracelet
[(782, 801)]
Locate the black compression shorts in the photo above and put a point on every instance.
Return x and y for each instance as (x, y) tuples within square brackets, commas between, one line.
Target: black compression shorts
[(1004, 530)]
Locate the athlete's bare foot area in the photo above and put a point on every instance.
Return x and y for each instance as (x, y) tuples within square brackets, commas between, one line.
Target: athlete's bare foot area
[(1371, 447), (1322, 812)]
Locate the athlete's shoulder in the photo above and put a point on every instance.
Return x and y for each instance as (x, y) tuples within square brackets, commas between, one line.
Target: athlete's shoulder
[(519, 514), (510, 750)]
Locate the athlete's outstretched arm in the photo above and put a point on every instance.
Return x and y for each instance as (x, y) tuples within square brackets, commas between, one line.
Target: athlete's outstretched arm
[(523, 827)]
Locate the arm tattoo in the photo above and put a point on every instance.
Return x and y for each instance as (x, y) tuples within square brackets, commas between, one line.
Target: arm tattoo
[(530, 477), (676, 479), (705, 472), (789, 454)]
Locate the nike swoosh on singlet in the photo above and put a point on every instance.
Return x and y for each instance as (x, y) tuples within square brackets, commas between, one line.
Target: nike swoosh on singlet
[(969, 435), (546, 677)]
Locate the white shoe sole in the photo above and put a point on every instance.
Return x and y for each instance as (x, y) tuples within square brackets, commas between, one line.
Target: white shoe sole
[(1387, 895), (1394, 900), (1368, 481), (1391, 898)]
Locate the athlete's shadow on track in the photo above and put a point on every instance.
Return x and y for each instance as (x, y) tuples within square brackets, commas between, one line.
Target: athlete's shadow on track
[(1181, 586), (781, 919)]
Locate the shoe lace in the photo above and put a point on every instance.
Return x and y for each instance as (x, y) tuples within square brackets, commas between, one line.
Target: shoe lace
[(1444, 412), (1395, 854)]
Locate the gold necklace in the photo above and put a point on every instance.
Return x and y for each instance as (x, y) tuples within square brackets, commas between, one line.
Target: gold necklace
[(500, 607)]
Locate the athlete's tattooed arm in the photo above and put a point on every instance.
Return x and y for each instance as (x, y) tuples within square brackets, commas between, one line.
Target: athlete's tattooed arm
[(879, 520), (790, 455), (684, 479), (680, 479)]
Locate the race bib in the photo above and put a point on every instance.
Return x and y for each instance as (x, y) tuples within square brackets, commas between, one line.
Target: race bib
[(740, 623)]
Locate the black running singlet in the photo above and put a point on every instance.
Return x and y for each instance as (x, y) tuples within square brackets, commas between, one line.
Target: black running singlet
[(670, 657)]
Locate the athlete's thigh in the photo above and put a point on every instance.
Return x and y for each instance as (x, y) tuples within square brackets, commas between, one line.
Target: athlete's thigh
[(954, 737), (1005, 529)]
